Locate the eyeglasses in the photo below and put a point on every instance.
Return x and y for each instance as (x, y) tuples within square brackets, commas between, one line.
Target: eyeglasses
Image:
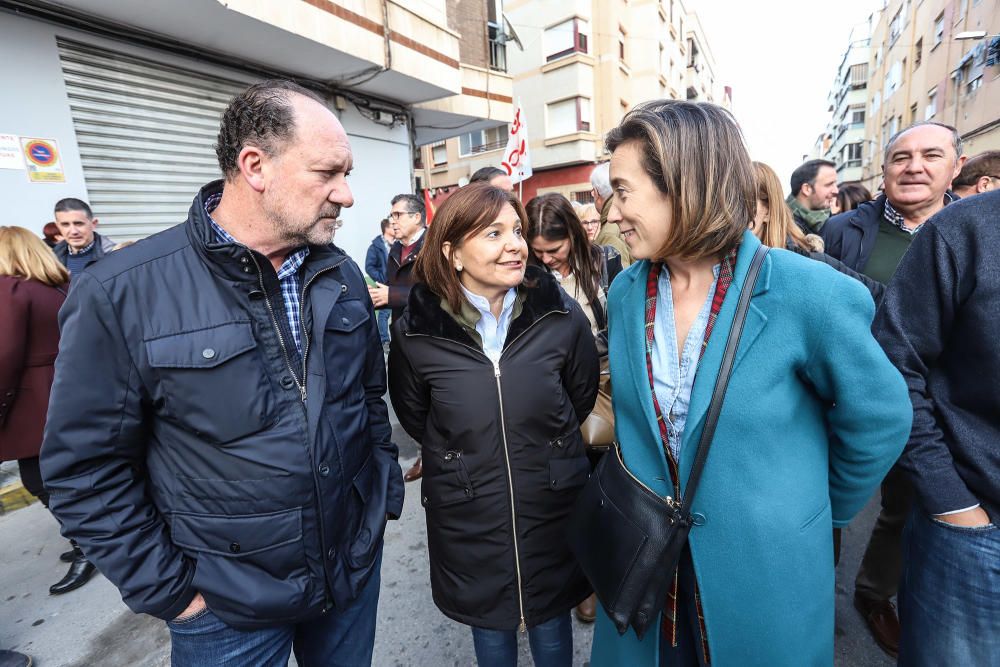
[(396, 215), (588, 223)]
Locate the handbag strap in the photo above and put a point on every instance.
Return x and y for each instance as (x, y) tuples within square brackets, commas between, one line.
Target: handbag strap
[(722, 381)]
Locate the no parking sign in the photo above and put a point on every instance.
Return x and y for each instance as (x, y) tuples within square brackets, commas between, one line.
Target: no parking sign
[(43, 161)]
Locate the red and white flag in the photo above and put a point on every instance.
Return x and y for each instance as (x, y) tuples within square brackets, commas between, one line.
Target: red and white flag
[(517, 159)]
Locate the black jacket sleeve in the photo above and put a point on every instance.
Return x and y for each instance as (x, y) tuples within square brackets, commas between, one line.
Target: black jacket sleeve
[(912, 325), (875, 288), (410, 395), (93, 458), (582, 372)]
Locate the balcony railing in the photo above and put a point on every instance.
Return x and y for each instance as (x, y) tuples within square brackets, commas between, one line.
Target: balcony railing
[(498, 48), (486, 148)]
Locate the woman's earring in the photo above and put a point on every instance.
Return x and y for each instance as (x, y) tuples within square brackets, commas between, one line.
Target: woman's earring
[(458, 267)]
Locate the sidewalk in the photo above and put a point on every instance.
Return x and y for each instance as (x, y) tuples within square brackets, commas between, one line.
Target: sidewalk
[(92, 627)]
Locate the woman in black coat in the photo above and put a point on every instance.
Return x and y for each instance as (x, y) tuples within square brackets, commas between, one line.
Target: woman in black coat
[(492, 369)]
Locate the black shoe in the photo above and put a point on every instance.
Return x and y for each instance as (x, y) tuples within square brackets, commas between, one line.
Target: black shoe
[(14, 659), (68, 556), (80, 572)]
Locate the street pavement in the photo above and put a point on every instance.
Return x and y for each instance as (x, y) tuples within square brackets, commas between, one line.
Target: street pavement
[(91, 626)]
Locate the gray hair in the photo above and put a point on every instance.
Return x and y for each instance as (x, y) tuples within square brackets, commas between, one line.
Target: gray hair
[(956, 139), (600, 180)]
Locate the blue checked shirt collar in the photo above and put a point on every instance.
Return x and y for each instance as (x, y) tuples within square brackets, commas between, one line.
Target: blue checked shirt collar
[(288, 273)]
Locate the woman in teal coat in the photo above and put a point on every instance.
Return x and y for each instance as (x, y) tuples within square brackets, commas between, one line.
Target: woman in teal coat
[(814, 416)]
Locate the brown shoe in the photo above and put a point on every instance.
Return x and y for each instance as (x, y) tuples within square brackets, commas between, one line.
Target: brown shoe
[(415, 472), (586, 611), (881, 618)]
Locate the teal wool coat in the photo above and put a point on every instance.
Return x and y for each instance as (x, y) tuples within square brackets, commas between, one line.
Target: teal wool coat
[(814, 417)]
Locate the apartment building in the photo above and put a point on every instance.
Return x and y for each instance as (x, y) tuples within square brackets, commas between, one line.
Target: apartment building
[(129, 93), (933, 60), (843, 140), (578, 67)]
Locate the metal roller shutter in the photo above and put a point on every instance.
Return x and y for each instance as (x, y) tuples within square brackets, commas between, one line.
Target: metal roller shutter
[(146, 133)]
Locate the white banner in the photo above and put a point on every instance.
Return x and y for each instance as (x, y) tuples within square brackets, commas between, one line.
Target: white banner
[(517, 159)]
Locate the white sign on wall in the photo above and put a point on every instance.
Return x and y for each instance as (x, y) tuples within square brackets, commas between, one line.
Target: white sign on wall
[(10, 152)]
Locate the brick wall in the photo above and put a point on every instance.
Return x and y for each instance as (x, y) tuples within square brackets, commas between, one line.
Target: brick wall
[(468, 18)]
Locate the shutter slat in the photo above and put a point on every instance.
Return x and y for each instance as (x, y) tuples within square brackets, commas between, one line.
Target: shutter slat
[(146, 133)]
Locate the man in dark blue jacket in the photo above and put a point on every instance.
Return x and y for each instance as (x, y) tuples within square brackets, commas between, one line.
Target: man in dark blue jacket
[(375, 266), (939, 324), (216, 439)]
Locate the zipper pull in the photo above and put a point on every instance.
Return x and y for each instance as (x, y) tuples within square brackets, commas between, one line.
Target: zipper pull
[(523, 627), (302, 392), (496, 369)]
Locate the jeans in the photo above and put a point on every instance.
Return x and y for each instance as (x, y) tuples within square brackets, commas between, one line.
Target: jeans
[(382, 316), (551, 644), (949, 597), (338, 638)]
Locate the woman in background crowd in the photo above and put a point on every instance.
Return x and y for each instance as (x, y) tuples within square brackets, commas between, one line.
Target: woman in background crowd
[(850, 195), (33, 287), (492, 369), (559, 242), (799, 446), (51, 233), (774, 225), (590, 218)]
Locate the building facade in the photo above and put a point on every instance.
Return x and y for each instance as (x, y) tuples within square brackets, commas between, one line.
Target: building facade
[(843, 140), (578, 67), (129, 94), (933, 60)]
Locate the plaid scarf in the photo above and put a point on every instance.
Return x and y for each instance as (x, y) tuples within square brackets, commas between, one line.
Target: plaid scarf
[(669, 625)]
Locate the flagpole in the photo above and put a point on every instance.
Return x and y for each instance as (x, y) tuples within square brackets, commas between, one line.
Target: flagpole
[(520, 189)]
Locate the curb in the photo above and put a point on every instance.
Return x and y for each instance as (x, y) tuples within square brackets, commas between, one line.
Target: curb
[(14, 497)]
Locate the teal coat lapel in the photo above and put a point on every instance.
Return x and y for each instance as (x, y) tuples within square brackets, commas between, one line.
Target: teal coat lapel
[(708, 367)]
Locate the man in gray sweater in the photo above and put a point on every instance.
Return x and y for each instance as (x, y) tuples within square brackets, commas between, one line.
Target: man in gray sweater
[(939, 323)]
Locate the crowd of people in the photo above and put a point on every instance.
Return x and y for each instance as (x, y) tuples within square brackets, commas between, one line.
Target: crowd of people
[(204, 412)]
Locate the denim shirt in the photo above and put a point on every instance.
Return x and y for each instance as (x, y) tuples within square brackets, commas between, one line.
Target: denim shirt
[(673, 373), (490, 329)]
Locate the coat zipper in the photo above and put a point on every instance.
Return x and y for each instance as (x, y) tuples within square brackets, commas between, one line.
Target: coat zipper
[(277, 329), (523, 626), (513, 509)]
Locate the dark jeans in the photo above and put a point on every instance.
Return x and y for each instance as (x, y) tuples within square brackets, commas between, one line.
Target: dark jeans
[(949, 598), (882, 564), (688, 652), (551, 644), (338, 638), (382, 316), (31, 477)]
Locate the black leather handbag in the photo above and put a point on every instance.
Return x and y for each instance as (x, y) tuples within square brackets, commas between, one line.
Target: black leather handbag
[(627, 539)]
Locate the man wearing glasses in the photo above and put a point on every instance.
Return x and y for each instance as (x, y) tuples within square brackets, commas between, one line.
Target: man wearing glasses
[(980, 174), (409, 223)]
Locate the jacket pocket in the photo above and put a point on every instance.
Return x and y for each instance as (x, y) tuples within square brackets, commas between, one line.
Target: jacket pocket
[(369, 486), (568, 473), (447, 481), (567, 445), (345, 343), (249, 566), (213, 381)]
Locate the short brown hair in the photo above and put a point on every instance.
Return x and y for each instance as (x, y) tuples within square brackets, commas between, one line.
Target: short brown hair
[(468, 211), (694, 152), (24, 255), (983, 164)]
